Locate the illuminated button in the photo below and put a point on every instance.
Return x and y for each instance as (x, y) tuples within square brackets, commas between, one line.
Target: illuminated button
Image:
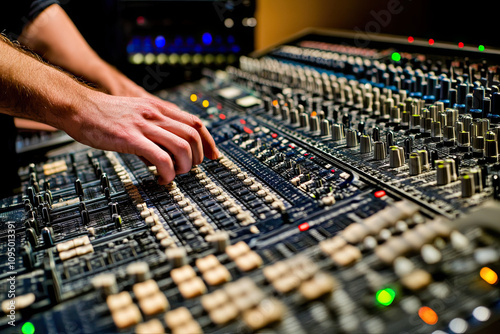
[(379, 194), (192, 288), (117, 301), (194, 98), (145, 289), (428, 315), (154, 304), (303, 227), (177, 317), (385, 296), (182, 274), (205, 103), (488, 275), (152, 326)]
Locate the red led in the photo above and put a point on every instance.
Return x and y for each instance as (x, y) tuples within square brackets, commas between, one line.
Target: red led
[(291, 146), (431, 41), (380, 193), (247, 130), (306, 154), (274, 135), (303, 227), (332, 170), (311, 158), (222, 116), (140, 20), (410, 39), (219, 106), (242, 121), (460, 45)]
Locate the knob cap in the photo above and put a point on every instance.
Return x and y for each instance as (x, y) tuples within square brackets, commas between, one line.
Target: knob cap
[(325, 127), (415, 164), (365, 144), (313, 123), (379, 151), (351, 138), (468, 187), (443, 173), (304, 120), (337, 132), (395, 157)]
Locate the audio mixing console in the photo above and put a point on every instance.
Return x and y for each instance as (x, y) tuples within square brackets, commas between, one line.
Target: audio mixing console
[(357, 192)]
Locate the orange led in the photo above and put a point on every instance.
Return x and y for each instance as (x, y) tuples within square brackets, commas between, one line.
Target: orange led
[(428, 315), (488, 275), (275, 103), (313, 114)]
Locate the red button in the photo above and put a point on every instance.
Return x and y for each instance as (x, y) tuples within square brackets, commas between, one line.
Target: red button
[(303, 227), (242, 121), (222, 116), (332, 170), (380, 193), (247, 130), (274, 135)]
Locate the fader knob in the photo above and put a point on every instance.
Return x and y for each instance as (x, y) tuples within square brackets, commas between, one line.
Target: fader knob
[(294, 116), (314, 123)]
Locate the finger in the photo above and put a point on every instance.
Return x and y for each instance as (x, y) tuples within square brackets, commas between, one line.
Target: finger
[(209, 148), (187, 133), (177, 146), (158, 157)]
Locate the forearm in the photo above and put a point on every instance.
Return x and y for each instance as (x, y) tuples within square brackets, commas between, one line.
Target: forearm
[(54, 36), (33, 90)]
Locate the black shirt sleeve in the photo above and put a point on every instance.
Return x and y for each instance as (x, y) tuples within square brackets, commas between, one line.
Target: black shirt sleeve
[(18, 13)]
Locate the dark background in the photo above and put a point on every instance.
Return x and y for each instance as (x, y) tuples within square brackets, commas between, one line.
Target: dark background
[(104, 23)]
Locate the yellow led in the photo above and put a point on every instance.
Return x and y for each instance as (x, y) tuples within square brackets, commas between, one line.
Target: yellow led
[(488, 275), (194, 98), (205, 103)]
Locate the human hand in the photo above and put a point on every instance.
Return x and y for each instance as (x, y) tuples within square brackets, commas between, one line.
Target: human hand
[(158, 131)]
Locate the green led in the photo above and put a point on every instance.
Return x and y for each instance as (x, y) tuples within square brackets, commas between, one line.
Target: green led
[(28, 328), (396, 56), (480, 47), (385, 296)]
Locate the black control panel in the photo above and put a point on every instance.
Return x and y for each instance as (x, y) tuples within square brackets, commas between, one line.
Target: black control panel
[(357, 192)]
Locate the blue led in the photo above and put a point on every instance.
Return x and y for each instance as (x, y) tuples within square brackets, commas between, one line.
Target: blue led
[(160, 42), (190, 41), (178, 41), (218, 39), (198, 48), (230, 39), (207, 38), (235, 48)]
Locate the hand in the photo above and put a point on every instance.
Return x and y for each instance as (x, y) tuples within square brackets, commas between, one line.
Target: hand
[(169, 138)]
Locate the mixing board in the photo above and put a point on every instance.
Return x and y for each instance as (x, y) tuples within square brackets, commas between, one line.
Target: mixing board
[(357, 192)]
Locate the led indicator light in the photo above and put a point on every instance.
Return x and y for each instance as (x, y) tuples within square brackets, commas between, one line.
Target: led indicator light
[(385, 296), (205, 103), (431, 41), (488, 275), (28, 328), (410, 39), (428, 315), (194, 98), (303, 227), (396, 56)]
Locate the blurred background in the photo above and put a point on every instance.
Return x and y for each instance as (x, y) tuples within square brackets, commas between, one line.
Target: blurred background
[(161, 43)]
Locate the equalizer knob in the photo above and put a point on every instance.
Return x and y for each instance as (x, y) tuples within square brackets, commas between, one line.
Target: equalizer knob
[(491, 150), (467, 184), (325, 127), (379, 151), (294, 116), (337, 132), (443, 173), (313, 123), (415, 164), (464, 139), (304, 120), (395, 157), (365, 144), (351, 138), (436, 130)]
